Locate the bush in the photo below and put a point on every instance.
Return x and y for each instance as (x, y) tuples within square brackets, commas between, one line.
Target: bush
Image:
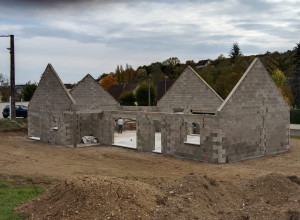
[(295, 116), (127, 98), (28, 91), (142, 94)]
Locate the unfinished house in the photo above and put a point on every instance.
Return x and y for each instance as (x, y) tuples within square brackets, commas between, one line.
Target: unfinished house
[(191, 120)]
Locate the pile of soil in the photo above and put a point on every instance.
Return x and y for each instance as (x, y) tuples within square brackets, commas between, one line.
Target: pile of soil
[(93, 198), (272, 196)]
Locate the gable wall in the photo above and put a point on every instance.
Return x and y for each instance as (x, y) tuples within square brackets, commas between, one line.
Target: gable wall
[(189, 92), (45, 110), (89, 94), (255, 117)]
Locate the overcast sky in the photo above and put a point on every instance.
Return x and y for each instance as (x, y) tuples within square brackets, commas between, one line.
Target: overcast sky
[(80, 37)]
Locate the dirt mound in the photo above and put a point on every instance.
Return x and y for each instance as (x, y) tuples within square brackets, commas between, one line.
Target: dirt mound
[(93, 198), (194, 197), (273, 196), (270, 196)]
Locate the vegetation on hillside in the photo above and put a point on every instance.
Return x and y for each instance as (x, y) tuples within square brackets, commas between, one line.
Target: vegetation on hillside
[(222, 74)]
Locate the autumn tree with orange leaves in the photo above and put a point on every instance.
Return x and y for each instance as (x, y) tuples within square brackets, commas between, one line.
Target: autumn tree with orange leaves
[(107, 81)]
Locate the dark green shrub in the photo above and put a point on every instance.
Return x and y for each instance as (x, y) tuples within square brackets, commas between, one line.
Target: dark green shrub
[(142, 94), (295, 116), (127, 98)]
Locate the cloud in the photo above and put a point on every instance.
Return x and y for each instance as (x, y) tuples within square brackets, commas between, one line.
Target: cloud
[(101, 34)]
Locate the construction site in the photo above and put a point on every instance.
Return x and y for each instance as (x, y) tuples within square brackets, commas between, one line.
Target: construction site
[(191, 122), (192, 156)]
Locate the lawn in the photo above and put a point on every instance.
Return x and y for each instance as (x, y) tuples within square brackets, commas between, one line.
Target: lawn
[(19, 123), (11, 196), (295, 137)]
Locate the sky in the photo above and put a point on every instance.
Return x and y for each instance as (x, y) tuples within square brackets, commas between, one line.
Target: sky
[(94, 36)]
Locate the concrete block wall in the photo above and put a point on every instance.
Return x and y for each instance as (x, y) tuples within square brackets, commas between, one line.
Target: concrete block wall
[(254, 118), (190, 92), (107, 127), (139, 108), (34, 128), (88, 94), (145, 133), (175, 127), (45, 110), (252, 121), (89, 124), (69, 127)]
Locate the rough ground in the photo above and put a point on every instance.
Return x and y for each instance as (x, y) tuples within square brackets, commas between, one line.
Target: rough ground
[(115, 183)]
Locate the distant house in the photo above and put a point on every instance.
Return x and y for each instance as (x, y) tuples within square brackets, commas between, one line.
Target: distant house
[(202, 63), (19, 88), (69, 86), (117, 89), (162, 87)]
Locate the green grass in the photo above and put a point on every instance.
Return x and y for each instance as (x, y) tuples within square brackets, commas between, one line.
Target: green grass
[(19, 123), (11, 196), (295, 137)]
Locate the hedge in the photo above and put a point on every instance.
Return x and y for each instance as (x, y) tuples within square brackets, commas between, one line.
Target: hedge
[(295, 116)]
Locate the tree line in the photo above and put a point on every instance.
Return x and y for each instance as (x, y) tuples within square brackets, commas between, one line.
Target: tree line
[(221, 74)]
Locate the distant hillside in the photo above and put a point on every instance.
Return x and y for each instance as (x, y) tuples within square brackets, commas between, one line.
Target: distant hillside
[(221, 74)]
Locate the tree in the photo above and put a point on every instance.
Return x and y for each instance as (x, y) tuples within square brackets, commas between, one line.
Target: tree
[(107, 81), (235, 52), (28, 91), (141, 75), (172, 61), (296, 60), (142, 94), (127, 98), (280, 81), (4, 88)]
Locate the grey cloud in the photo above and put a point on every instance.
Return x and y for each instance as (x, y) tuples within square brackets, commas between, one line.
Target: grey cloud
[(29, 32)]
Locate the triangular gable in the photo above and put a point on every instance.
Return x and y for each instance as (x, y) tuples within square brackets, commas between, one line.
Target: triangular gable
[(190, 92), (51, 91), (256, 87), (88, 92)]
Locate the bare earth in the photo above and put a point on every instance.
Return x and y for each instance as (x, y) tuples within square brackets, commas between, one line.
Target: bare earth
[(104, 182)]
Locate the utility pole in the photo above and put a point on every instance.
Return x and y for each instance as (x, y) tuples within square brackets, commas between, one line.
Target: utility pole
[(12, 78), (149, 99)]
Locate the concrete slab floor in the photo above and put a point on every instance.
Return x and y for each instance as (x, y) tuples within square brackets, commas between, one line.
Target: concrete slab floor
[(128, 140)]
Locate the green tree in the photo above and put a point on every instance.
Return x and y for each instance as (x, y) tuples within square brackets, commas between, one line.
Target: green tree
[(142, 94), (28, 91), (141, 75), (172, 61), (127, 98), (296, 60), (235, 52)]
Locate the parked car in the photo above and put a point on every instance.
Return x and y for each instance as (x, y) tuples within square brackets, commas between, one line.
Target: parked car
[(21, 111)]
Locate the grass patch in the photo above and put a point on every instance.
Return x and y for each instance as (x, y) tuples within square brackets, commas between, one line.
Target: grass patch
[(12, 196), (295, 137), (8, 125)]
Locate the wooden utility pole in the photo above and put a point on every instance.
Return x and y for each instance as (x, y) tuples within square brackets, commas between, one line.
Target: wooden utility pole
[(12, 78)]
